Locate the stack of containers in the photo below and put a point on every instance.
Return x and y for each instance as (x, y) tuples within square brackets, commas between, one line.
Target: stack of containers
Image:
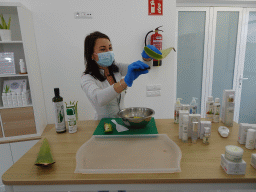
[(247, 135), (232, 161), (19, 99)]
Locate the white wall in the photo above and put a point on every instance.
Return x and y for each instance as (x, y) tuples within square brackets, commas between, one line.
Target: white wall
[(60, 40)]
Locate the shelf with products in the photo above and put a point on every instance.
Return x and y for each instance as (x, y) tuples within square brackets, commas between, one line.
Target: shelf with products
[(30, 118)]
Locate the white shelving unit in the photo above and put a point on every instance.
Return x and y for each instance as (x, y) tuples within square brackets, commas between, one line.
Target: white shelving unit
[(23, 46)]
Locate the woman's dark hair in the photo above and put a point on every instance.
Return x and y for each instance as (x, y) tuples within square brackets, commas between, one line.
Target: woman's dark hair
[(92, 67)]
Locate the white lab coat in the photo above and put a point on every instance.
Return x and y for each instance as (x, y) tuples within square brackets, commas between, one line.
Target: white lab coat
[(104, 99)]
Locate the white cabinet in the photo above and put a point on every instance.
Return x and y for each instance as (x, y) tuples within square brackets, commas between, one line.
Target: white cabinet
[(31, 117), (12, 152), (20, 148), (5, 159)]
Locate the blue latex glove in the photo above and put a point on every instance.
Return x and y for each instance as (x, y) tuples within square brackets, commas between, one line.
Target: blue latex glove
[(153, 48), (133, 72)]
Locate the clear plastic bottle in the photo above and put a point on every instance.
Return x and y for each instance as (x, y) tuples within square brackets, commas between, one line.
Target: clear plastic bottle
[(209, 108), (193, 106), (207, 134), (176, 110), (216, 111), (195, 132)]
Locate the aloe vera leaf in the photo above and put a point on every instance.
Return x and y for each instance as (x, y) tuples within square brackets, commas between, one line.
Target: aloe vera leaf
[(1, 26), (44, 156), (166, 52), (3, 22), (152, 54), (9, 23)]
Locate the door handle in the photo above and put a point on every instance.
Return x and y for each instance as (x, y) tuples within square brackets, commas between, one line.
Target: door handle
[(241, 80)]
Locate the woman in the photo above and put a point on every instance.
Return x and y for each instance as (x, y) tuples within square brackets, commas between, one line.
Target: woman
[(102, 80)]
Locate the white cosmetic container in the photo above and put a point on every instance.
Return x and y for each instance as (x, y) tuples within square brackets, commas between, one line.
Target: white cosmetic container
[(234, 153), (250, 139), (209, 108), (4, 100), (14, 99), (185, 129), (202, 127), (194, 118), (253, 160), (230, 107), (243, 127), (19, 99), (223, 131), (9, 100), (226, 95), (186, 107), (181, 112), (233, 168)]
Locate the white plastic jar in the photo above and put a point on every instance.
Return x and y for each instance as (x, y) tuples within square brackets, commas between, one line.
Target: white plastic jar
[(234, 153)]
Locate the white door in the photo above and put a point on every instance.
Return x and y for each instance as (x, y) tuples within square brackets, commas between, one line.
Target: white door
[(247, 73), (215, 61)]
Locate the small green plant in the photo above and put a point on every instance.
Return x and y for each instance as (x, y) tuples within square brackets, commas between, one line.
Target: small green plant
[(4, 25), (6, 89)]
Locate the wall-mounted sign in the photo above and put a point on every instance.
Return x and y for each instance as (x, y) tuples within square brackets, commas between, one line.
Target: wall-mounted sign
[(155, 7)]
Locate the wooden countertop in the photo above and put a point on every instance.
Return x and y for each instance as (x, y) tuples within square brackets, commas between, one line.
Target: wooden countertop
[(199, 164)]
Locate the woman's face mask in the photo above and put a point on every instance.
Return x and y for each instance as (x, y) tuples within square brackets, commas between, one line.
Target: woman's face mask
[(105, 59)]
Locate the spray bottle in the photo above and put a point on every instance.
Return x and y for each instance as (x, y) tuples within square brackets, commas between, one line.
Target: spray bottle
[(176, 110), (193, 106)]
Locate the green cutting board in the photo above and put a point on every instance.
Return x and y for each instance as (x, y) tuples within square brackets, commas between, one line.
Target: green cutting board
[(150, 128)]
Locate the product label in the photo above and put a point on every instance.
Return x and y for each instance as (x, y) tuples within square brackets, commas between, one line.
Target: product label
[(59, 116), (72, 127)]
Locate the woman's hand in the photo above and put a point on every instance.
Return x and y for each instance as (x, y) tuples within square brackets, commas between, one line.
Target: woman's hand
[(134, 71), (144, 54)]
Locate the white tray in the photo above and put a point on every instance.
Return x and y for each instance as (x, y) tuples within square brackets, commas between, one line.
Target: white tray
[(155, 153)]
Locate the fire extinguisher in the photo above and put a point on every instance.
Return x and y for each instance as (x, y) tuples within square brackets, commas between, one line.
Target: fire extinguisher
[(156, 40)]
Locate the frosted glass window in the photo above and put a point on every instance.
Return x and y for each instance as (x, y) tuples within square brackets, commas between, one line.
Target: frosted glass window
[(225, 52), (248, 101), (190, 55)]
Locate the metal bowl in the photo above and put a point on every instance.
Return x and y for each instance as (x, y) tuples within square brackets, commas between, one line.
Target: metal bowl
[(136, 117)]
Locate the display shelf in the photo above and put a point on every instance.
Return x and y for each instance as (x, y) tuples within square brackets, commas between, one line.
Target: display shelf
[(29, 105), (13, 75), (23, 121), (10, 42)]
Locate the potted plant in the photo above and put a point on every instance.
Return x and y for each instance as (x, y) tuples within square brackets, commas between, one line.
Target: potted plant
[(5, 31)]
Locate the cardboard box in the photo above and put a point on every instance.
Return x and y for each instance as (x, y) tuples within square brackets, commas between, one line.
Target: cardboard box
[(226, 94), (253, 160), (232, 167), (193, 118), (243, 127), (181, 113)]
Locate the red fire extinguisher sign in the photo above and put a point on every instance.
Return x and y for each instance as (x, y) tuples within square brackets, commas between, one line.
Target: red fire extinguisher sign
[(155, 7)]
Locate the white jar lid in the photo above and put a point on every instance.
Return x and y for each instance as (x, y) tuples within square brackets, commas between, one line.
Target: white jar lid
[(234, 150)]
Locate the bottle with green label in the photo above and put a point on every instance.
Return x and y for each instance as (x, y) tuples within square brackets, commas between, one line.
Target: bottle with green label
[(60, 124)]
